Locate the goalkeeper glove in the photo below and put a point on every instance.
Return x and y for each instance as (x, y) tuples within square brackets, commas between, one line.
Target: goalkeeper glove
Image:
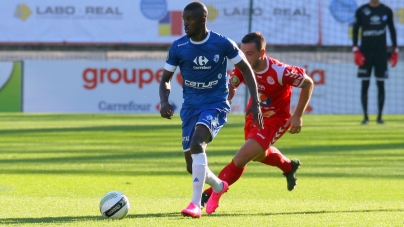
[(358, 56), (394, 57)]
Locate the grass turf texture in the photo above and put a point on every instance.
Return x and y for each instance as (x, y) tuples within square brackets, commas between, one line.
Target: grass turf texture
[(54, 169)]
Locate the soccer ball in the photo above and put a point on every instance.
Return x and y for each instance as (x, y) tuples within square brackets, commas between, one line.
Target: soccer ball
[(114, 205)]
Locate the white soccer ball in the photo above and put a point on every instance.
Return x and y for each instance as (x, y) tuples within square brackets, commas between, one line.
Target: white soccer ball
[(114, 205)]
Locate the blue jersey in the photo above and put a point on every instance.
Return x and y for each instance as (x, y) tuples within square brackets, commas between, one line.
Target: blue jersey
[(203, 67)]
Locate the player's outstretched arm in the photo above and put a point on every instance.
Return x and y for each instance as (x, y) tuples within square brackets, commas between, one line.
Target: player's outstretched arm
[(166, 110), (296, 121), (251, 83)]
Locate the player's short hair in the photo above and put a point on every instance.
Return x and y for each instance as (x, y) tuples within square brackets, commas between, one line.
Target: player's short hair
[(257, 38), (198, 7)]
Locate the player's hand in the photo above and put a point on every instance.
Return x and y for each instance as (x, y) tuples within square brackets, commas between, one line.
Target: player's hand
[(295, 123), (359, 59), (394, 57), (166, 110), (255, 110)]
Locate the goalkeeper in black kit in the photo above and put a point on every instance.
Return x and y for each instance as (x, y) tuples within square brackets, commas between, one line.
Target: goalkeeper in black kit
[(373, 18)]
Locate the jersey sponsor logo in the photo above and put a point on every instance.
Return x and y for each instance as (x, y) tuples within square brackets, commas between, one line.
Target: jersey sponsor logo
[(201, 62), (182, 44), (268, 113), (265, 100), (234, 80), (270, 80), (201, 85), (260, 87), (216, 58), (260, 135), (213, 121), (374, 32), (375, 19)]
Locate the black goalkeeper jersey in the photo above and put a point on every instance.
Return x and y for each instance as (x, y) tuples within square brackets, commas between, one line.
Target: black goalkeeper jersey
[(373, 21)]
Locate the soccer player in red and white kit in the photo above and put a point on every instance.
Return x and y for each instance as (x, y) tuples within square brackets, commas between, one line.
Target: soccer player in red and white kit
[(275, 81), (373, 18)]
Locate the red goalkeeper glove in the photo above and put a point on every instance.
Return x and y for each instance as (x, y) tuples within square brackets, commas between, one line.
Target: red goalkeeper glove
[(394, 57), (358, 56)]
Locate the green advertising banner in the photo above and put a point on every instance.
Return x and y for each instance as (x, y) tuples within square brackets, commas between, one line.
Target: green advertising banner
[(10, 86)]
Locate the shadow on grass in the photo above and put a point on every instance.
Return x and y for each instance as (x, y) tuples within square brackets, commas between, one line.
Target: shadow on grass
[(13, 221), (167, 163), (110, 156), (311, 212), (137, 173), (70, 219)]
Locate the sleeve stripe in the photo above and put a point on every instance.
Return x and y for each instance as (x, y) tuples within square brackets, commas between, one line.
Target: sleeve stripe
[(170, 68), (236, 59), (301, 83)]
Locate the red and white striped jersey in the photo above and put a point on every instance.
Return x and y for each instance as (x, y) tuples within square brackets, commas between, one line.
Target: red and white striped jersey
[(274, 86)]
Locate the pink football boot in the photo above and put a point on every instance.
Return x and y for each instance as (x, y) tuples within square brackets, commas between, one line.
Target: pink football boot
[(213, 201), (192, 210)]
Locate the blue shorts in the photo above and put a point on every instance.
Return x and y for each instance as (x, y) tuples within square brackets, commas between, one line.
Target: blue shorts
[(214, 119)]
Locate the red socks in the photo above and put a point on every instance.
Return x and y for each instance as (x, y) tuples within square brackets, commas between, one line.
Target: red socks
[(231, 173), (275, 158)]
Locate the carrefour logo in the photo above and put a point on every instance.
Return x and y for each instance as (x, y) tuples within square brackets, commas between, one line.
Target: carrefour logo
[(201, 62)]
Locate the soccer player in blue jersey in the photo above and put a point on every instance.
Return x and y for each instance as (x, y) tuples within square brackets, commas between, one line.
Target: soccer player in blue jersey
[(202, 57)]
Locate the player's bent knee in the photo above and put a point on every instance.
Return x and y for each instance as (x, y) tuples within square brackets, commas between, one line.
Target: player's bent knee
[(197, 148), (259, 158), (240, 162)]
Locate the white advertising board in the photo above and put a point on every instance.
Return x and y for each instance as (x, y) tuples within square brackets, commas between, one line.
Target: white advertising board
[(132, 87), (95, 87), (308, 22)]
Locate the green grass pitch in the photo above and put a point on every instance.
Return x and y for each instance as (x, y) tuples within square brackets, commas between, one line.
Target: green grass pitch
[(54, 169)]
